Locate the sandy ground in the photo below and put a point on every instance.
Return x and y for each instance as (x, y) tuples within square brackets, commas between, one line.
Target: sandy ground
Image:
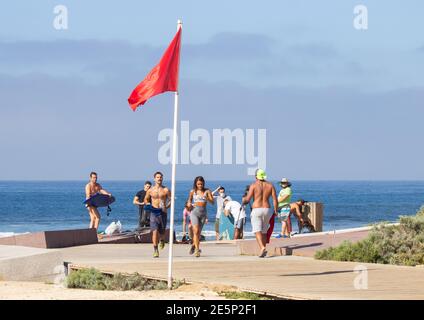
[(19, 290)]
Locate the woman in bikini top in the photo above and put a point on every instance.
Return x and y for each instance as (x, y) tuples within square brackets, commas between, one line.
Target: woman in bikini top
[(199, 200)]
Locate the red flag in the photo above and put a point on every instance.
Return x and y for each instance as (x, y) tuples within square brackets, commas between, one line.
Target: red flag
[(163, 77)]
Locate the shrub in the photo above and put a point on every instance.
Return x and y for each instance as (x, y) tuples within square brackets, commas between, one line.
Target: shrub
[(86, 279), (401, 244), (420, 212), (95, 280), (242, 295), (122, 283)]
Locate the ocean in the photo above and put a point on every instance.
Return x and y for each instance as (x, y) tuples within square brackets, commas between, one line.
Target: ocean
[(29, 206)]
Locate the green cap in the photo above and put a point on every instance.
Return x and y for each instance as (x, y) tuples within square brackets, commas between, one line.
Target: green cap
[(260, 174)]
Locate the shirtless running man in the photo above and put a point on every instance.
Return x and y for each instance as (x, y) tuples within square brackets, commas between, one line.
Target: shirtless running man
[(261, 191), (90, 190), (158, 200)]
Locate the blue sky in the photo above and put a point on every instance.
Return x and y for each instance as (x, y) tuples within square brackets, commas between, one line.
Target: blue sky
[(337, 103)]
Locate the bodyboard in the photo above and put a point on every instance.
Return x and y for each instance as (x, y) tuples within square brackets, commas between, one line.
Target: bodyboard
[(99, 200), (226, 227)]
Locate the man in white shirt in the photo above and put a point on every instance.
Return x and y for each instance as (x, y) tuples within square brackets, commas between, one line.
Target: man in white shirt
[(239, 214), (219, 206)]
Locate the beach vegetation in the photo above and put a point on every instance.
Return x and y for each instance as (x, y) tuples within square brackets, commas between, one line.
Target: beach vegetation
[(86, 279), (401, 244), (242, 295), (95, 280)]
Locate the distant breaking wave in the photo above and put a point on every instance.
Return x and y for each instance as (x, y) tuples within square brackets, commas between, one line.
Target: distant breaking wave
[(6, 234), (10, 234)]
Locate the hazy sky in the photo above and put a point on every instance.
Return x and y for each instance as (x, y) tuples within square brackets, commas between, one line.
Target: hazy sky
[(337, 103)]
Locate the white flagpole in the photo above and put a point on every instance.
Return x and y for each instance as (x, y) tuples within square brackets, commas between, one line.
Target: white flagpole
[(174, 160)]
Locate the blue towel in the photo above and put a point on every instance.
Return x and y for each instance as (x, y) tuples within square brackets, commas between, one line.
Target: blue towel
[(156, 211)]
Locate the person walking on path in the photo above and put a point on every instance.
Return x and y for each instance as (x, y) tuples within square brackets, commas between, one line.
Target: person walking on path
[(143, 215), (261, 191), (157, 201), (220, 198), (187, 227), (284, 198), (91, 189), (197, 201)]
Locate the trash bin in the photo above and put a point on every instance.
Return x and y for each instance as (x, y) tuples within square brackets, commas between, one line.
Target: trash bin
[(314, 211)]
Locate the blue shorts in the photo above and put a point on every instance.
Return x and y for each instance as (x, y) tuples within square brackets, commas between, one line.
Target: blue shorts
[(151, 209), (284, 213), (158, 222)]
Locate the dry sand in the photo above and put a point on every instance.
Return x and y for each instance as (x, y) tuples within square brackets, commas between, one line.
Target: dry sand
[(19, 290)]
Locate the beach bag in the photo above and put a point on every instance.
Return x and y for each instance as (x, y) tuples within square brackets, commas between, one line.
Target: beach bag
[(114, 228)]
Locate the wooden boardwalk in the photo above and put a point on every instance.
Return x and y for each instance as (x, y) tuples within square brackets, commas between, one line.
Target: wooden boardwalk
[(289, 277)]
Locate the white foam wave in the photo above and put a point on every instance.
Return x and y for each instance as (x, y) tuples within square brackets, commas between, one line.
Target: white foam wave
[(10, 234), (6, 234)]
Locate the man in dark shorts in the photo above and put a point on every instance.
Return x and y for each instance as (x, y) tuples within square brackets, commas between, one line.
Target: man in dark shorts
[(143, 216), (157, 201)]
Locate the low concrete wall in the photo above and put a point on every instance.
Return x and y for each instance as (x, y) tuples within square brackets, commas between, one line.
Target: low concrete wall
[(30, 264), (302, 245), (53, 239), (142, 237)]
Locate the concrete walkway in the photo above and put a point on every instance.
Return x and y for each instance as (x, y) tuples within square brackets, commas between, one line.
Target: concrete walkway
[(283, 276), (22, 263)]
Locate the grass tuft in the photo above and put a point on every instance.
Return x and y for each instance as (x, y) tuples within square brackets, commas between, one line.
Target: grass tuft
[(242, 295)]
